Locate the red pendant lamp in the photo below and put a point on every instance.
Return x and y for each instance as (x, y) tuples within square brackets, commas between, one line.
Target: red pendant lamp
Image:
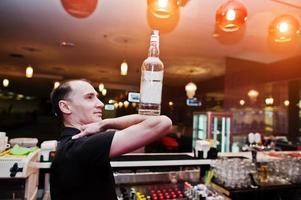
[(284, 28), (79, 8), (231, 16)]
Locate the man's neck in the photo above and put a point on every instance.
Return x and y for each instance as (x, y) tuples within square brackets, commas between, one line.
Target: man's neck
[(74, 125)]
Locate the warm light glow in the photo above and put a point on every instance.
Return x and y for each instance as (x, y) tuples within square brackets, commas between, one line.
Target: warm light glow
[(190, 89), (116, 105), (56, 84), (231, 14), (163, 9), (242, 102), (253, 93), (134, 104), (286, 102), (284, 28), (269, 101), (124, 68), (5, 82), (29, 72), (120, 104), (111, 101), (126, 104), (101, 86), (170, 103), (163, 3), (104, 92)]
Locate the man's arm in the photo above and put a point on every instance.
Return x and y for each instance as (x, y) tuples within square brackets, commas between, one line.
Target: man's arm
[(123, 122), (118, 123), (141, 133)]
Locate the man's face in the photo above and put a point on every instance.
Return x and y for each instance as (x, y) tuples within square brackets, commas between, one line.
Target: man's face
[(84, 103)]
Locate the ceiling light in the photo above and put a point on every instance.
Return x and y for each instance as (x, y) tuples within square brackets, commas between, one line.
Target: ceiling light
[(104, 92), (56, 84), (124, 68), (269, 101), (253, 93), (111, 101), (231, 16), (79, 8), (190, 89), (120, 104), (101, 86), (242, 102), (29, 72), (116, 105), (170, 103), (126, 104), (5, 82), (163, 9), (286, 103), (284, 28)]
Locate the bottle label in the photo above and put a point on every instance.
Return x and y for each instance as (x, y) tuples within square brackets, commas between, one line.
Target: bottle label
[(151, 87)]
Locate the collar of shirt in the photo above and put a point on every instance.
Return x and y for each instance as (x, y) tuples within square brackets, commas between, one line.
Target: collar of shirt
[(69, 131)]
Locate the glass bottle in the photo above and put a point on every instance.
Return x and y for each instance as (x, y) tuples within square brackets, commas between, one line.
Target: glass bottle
[(151, 79)]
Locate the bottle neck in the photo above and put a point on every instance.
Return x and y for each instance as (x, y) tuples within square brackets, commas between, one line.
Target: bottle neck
[(153, 49)]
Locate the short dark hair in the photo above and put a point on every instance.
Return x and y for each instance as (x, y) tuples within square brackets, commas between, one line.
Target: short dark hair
[(62, 92)]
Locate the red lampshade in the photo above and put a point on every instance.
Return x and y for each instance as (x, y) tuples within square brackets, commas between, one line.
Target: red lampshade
[(284, 28), (231, 15), (163, 9), (79, 8)]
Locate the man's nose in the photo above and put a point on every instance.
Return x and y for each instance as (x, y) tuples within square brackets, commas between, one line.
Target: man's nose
[(99, 103)]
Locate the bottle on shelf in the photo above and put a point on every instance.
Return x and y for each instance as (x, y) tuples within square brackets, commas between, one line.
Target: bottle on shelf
[(151, 79)]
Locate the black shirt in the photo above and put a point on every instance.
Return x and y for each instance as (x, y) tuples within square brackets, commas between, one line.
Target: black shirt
[(81, 168)]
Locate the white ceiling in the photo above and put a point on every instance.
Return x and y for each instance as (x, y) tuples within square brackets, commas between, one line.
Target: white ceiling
[(35, 28)]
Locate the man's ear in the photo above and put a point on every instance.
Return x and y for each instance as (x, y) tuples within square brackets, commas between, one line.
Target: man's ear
[(64, 107)]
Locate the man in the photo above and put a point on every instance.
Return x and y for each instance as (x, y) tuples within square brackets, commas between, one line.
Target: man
[(81, 168)]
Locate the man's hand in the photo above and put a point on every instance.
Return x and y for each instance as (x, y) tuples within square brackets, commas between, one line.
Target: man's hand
[(90, 129)]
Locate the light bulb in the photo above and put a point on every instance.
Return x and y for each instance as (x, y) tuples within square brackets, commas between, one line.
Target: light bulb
[(101, 87), (29, 72), (5, 82), (56, 84), (124, 68)]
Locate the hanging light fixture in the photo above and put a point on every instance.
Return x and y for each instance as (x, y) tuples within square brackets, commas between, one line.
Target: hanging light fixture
[(163, 9), (286, 103), (269, 101), (284, 28), (104, 92), (126, 104), (101, 86), (231, 15), (120, 104), (5, 82), (242, 102), (124, 68), (253, 94), (79, 8), (29, 72), (190, 89), (56, 84), (116, 105)]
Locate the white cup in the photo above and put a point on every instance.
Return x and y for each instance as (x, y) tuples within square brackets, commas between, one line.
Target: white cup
[(3, 143), (2, 134)]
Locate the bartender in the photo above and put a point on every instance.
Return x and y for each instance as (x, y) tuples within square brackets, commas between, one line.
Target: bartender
[(81, 168)]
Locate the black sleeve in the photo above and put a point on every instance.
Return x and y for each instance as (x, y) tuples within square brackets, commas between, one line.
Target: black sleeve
[(96, 148)]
